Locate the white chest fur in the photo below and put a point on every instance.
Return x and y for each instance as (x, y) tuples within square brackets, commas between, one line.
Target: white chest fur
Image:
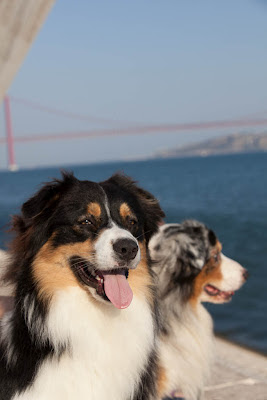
[(110, 349), (187, 352)]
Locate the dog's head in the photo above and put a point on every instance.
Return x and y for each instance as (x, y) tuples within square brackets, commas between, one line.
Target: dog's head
[(84, 233), (188, 259)]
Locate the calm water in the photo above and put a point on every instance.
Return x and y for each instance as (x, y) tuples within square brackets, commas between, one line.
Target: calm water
[(228, 193)]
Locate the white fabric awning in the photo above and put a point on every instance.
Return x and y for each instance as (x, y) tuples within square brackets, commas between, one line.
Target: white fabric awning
[(20, 21)]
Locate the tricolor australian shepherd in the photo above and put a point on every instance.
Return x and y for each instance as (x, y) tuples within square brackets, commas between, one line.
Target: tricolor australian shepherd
[(84, 321), (191, 269)]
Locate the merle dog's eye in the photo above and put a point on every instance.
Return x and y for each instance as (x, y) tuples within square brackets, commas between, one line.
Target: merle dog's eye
[(216, 257)]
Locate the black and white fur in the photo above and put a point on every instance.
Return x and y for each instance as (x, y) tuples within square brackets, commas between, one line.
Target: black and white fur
[(64, 341)]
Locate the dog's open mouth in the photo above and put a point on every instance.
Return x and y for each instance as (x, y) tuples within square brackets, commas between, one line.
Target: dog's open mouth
[(213, 291), (112, 285)]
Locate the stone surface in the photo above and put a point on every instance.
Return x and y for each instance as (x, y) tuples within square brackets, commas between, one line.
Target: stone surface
[(238, 374)]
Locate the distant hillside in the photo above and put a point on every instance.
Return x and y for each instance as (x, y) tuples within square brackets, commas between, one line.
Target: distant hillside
[(235, 143)]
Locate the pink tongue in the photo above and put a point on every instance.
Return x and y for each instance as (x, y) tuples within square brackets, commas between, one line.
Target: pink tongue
[(117, 289)]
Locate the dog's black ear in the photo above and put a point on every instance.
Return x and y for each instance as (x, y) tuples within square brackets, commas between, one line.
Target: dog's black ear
[(212, 238), (46, 197), (153, 214), (152, 211)]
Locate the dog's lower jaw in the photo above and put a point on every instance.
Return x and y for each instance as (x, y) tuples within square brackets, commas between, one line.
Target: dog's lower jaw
[(109, 285)]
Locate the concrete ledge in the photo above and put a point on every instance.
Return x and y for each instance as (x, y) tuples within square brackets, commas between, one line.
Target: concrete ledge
[(238, 374)]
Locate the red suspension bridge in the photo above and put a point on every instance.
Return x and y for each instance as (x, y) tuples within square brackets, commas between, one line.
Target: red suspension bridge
[(119, 128)]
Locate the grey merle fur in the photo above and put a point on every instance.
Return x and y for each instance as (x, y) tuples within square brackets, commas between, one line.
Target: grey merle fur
[(179, 252)]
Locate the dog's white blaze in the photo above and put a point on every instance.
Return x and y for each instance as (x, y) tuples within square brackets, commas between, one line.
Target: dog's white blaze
[(232, 273), (106, 205), (105, 255), (109, 349)]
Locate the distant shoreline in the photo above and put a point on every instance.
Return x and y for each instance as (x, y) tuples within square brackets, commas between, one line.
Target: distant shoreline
[(184, 156), (129, 161), (236, 143)]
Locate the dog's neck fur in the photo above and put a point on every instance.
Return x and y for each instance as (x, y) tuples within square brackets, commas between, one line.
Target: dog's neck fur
[(77, 348), (186, 345)]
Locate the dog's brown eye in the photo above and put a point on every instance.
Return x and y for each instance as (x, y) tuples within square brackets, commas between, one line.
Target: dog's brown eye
[(216, 257), (133, 222), (86, 222)]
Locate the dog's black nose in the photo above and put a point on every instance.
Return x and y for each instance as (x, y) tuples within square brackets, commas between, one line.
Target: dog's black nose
[(126, 249), (245, 275)]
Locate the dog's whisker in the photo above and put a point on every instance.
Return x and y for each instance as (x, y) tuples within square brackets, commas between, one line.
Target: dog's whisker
[(143, 234), (81, 262)]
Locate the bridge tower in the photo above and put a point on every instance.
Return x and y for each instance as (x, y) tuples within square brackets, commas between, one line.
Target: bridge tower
[(12, 166)]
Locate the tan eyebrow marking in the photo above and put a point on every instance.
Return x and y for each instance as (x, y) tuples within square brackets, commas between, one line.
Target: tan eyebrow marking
[(94, 209), (125, 211), (219, 246)]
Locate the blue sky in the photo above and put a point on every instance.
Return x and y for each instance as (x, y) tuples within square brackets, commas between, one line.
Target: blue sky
[(149, 61)]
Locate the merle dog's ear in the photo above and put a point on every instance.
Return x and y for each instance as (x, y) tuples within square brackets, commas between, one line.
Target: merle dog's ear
[(196, 242), (46, 197), (153, 214)]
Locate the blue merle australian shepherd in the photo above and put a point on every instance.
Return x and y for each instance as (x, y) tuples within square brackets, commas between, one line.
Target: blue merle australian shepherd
[(191, 269), (84, 323)]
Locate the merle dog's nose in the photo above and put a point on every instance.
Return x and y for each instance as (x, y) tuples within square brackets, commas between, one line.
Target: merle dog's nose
[(245, 275), (126, 249)]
